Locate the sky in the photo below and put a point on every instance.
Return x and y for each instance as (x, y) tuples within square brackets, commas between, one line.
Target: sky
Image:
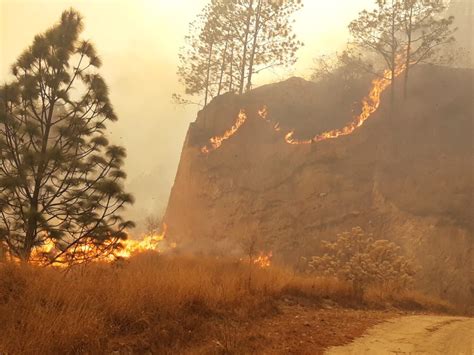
[(138, 41)]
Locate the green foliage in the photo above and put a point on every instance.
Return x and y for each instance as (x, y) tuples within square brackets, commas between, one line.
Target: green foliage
[(60, 179), (231, 41), (355, 256)]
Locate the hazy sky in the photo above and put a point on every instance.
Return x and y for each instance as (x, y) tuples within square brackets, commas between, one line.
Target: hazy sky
[(138, 41)]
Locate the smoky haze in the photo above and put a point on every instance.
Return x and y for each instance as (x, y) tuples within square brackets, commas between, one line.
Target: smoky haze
[(138, 41)]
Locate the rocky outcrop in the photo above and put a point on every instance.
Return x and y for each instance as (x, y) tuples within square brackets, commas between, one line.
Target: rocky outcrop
[(406, 176)]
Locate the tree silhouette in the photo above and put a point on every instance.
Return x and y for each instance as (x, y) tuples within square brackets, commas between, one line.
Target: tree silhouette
[(403, 33), (426, 31), (60, 179), (231, 41)]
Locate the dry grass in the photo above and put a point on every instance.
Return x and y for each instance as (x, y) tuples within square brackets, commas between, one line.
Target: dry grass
[(159, 303), (407, 300)]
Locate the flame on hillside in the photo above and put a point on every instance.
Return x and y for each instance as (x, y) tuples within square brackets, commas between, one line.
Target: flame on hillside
[(370, 104), (216, 142)]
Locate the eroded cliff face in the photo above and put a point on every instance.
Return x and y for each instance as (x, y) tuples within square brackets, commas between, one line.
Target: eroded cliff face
[(406, 177)]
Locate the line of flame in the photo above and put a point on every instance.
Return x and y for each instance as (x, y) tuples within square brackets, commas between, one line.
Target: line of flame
[(216, 142), (370, 104)]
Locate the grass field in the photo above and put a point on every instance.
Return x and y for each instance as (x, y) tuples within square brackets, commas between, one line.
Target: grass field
[(161, 304)]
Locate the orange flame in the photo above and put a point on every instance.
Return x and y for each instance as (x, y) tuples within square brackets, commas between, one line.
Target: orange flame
[(263, 260), (216, 142), (43, 254), (370, 104)]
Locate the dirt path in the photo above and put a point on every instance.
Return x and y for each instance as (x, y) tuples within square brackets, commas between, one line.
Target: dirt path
[(415, 335)]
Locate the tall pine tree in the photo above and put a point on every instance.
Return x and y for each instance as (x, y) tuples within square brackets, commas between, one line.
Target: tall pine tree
[(60, 179)]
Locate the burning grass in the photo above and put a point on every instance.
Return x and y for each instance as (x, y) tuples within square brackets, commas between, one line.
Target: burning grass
[(149, 303)]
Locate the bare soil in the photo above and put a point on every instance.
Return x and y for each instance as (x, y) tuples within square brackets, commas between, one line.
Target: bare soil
[(415, 335), (296, 328)]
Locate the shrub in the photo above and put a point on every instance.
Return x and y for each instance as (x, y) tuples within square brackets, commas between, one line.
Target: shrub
[(356, 257)]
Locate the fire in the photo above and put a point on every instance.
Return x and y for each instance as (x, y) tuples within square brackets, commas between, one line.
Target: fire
[(263, 260), (216, 142), (89, 251), (263, 113), (290, 140), (370, 105), (149, 243)]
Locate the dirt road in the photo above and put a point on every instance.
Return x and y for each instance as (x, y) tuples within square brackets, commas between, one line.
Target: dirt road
[(415, 335)]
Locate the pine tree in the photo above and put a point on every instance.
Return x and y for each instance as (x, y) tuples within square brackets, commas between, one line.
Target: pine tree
[(403, 33), (233, 40), (425, 30), (379, 31), (60, 179)]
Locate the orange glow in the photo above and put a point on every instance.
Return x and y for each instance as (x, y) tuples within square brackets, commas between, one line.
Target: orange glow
[(216, 142), (263, 260), (88, 251), (370, 104)]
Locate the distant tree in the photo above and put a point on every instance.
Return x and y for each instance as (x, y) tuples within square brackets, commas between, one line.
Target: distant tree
[(379, 31), (60, 179), (355, 256), (403, 33), (153, 225), (268, 38), (197, 58), (343, 69), (231, 41), (425, 30)]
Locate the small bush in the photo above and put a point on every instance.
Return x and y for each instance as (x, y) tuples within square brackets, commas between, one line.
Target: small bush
[(356, 257)]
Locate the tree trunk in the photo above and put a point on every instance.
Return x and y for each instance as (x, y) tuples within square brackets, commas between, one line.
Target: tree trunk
[(408, 54), (208, 75), (393, 64), (244, 54), (254, 44), (222, 67), (32, 220), (392, 93), (231, 71)]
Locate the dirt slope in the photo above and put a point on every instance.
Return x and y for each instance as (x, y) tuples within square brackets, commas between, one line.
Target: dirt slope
[(415, 335), (409, 178)]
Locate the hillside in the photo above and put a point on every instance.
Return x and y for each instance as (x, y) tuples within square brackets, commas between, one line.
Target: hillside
[(408, 178)]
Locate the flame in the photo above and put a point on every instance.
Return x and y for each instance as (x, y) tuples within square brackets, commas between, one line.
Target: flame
[(263, 260), (370, 104), (263, 113), (149, 243), (107, 252), (216, 142), (290, 140)]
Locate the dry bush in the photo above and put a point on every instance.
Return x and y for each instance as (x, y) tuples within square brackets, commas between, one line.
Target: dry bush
[(358, 258), (149, 303)]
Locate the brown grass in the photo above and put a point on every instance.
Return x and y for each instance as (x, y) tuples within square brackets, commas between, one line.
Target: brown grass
[(150, 302)]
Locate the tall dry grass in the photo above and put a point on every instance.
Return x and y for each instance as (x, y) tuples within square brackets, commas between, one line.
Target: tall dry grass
[(149, 302)]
